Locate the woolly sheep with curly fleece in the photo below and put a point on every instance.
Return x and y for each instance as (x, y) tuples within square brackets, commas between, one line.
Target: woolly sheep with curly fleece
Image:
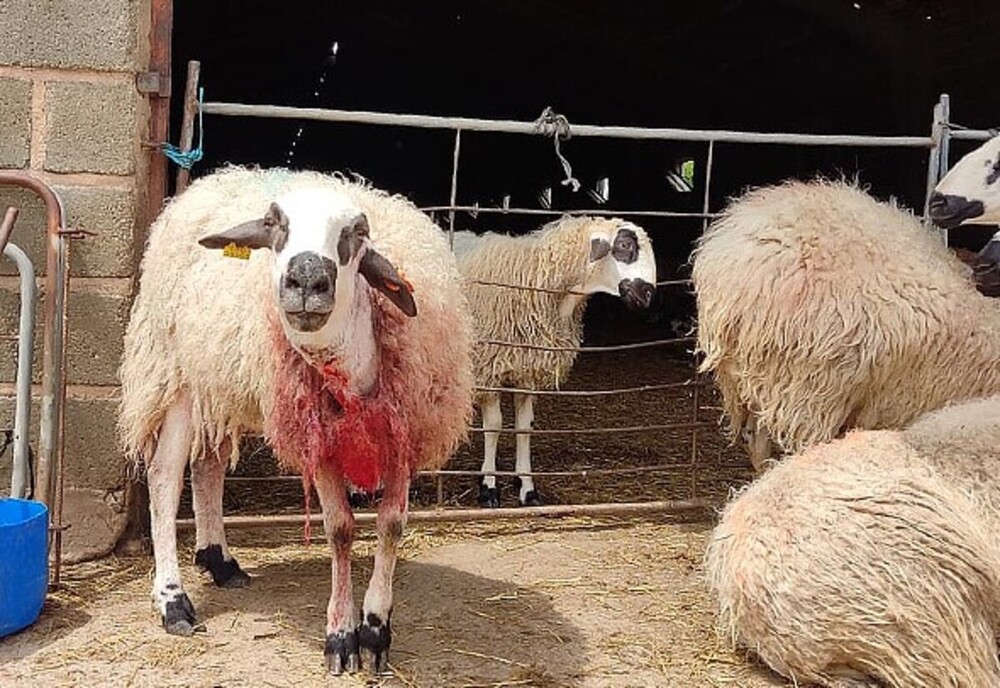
[(354, 372), (821, 310), (970, 194), (584, 255), (871, 560)]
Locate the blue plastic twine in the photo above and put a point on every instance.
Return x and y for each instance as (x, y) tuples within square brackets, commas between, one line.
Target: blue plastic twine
[(189, 158)]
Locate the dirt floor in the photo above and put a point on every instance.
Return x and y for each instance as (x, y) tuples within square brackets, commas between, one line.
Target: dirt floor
[(546, 603), (570, 603)]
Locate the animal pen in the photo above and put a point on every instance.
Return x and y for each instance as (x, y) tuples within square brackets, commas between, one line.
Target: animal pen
[(680, 408)]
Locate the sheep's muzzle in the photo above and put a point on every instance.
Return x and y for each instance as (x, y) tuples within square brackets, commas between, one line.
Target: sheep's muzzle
[(949, 211), (636, 293), (306, 292), (986, 269)]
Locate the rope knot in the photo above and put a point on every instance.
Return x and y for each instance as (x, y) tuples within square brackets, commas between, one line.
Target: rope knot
[(551, 123)]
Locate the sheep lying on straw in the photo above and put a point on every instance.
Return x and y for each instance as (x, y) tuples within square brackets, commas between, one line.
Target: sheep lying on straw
[(580, 255), (821, 310), (347, 342), (872, 560)]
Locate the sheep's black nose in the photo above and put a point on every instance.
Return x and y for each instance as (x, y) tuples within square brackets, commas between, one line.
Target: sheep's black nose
[(310, 274), (950, 211), (637, 293)]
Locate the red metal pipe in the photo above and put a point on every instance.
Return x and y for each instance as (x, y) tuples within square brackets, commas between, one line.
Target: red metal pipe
[(51, 440), (7, 226)]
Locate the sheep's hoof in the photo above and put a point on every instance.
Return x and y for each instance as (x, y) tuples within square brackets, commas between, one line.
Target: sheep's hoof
[(178, 618), (341, 653), (225, 574), (489, 497), (531, 498), (374, 637)]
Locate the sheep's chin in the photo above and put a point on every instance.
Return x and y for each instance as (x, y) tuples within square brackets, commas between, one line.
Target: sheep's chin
[(306, 322)]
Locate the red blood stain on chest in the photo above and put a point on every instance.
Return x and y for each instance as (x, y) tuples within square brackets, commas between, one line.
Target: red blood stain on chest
[(318, 424)]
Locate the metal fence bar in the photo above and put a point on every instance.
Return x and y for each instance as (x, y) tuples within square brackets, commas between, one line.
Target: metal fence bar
[(453, 196), (590, 349), (687, 384), (709, 163), (579, 130), (564, 292), (933, 159), (599, 431), (676, 506), (20, 479), (450, 472), (971, 134), (542, 211)]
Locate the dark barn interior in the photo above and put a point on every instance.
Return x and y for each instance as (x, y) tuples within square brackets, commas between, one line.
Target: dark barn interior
[(817, 66), (812, 66)]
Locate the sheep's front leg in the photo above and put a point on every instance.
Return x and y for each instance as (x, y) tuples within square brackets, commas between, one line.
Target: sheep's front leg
[(165, 476), (524, 416), (489, 407), (759, 445), (341, 649), (375, 634), (211, 552)]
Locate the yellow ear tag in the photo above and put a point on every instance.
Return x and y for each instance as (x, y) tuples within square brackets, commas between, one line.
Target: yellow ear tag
[(231, 250)]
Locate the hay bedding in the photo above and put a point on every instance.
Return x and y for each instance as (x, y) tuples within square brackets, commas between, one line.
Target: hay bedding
[(574, 603)]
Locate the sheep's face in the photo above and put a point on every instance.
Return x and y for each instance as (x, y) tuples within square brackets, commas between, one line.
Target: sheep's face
[(622, 263), (321, 244), (970, 192)]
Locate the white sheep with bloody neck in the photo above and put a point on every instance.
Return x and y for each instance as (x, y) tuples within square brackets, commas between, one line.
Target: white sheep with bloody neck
[(345, 339)]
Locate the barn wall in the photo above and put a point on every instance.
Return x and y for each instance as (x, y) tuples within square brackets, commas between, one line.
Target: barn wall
[(70, 113)]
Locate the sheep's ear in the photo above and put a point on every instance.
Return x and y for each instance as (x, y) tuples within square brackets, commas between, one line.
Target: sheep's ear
[(383, 276), (271, 231), (352, 237), (599, 247)]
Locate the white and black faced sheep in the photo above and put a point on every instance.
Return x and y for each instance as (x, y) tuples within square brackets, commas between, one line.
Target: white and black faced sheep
[(821, 310), (871, 560), (970, 194), (582, 255), (347, 342)]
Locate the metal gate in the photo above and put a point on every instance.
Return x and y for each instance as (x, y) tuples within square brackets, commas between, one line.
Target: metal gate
[(697, 389)]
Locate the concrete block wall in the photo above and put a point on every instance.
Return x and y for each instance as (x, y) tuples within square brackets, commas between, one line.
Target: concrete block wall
[(70, 113)]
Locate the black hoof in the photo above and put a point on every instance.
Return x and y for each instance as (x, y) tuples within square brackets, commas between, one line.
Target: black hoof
[(489, 497), (531, 499), (179, 617), (225, 574), (341, 653), (374, 637)]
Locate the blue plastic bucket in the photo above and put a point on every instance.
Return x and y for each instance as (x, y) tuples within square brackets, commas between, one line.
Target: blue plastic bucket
[(24, 563)]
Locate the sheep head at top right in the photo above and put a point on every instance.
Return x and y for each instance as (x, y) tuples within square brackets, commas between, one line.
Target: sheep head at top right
[(970, 192)]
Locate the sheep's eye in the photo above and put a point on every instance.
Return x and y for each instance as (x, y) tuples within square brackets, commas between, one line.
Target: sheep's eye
[(994, 174), (626, 247), (624, 243)]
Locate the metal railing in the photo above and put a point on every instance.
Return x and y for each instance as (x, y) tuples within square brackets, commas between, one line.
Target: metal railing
[(52, 426), (936, 144)]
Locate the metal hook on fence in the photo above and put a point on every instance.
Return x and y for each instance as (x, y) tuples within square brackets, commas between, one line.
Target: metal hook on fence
[(551, 123)]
